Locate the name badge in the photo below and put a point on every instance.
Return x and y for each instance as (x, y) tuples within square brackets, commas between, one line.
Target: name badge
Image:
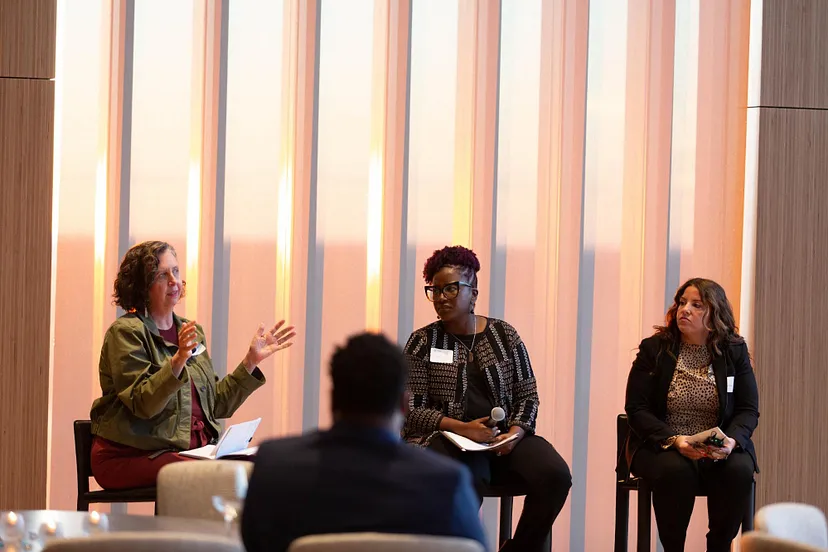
[(441, 356), (730, 384)]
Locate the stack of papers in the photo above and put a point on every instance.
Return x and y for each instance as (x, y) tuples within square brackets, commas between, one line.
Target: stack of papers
[(234, 442), (467, 445)]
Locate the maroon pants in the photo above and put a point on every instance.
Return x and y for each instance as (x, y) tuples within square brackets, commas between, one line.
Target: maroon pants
[(117, 466)]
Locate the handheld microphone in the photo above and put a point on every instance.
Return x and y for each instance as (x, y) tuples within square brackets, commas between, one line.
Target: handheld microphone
[(497, 415)]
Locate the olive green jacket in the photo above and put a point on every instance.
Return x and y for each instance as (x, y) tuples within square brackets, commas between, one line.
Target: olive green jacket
[(143, 404)]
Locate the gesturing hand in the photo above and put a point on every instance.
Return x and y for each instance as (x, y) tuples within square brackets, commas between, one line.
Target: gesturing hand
[(187, 340), (265, 343)]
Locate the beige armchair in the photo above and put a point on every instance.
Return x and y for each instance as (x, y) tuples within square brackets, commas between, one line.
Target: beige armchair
[(787, 527), (146, 542), (382, 542), (186, 489), (796, 522), (756, 541)]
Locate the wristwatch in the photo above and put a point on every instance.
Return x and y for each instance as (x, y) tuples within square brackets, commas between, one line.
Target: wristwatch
[(668, 442)]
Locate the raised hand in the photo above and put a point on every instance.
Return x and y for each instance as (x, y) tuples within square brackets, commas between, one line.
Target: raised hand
[(265, 343), (187, 340)]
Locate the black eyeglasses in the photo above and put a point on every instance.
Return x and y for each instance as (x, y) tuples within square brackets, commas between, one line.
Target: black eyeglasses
[(449, 291)]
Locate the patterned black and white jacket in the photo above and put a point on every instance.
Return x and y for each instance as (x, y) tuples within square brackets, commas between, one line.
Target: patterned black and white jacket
[(439, 390)]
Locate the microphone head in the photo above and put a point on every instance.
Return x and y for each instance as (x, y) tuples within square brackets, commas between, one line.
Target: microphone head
[(498, 414)]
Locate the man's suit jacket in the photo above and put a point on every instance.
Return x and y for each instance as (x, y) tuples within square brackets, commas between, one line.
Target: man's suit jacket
[(353, 479), (649, 382)]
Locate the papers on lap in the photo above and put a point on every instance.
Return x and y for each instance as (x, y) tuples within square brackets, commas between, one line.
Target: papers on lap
[(233, 442), (467, 445)]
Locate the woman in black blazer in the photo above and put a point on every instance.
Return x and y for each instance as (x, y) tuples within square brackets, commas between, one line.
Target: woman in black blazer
[(692, 375)]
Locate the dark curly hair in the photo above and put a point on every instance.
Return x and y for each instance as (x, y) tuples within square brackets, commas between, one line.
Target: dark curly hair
[(719, 317), (455, 256), (369, 376), (137, 273)]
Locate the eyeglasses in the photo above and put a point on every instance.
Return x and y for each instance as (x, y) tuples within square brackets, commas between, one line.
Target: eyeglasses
[(449, 291), (169, 275)]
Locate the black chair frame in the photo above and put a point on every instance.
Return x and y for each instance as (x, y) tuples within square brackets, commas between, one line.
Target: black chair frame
[(506, 492), (626, 482), (83, 455)]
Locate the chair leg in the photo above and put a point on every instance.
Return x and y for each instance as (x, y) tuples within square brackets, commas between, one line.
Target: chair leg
[(747, 520), (644, 525), (505, 532), (622, 518), (83, 506)]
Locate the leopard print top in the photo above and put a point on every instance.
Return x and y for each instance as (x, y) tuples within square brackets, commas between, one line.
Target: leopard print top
[(692, 401)]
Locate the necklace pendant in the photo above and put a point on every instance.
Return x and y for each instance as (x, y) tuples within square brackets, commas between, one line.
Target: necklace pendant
[(471, 356)]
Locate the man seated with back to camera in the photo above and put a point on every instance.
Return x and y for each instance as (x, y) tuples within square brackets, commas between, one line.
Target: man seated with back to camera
[(359, 475)]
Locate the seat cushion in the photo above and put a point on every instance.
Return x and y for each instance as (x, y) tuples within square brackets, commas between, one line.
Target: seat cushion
[(143, 494)]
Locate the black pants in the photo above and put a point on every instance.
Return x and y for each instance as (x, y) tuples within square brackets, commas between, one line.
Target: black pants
[(533, 461), (676, 481)]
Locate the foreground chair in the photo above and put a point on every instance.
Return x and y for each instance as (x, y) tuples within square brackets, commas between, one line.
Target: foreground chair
[(800, 523), (756, 541), (146, 542), (382, 542), (186, 489)]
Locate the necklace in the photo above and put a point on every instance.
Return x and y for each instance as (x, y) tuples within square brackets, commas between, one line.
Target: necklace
[(470, 357)]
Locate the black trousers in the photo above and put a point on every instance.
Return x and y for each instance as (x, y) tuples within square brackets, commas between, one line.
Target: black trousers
[(534, 461), (676, 481)]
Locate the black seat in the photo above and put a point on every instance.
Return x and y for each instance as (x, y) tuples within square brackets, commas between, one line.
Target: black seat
[(626, 482), (83, 454), (506, 491)]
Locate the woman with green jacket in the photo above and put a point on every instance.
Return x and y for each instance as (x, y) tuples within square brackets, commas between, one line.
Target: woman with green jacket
[(160, 394)]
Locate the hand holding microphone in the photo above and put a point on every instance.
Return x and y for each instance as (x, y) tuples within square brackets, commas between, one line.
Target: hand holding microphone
[(483, 430), (497, 415)]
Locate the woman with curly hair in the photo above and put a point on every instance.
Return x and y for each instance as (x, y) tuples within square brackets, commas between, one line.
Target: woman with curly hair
[(460, 368), (694, 374), (160, 394)]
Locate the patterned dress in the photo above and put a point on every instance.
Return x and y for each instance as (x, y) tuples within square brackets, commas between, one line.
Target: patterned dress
[(692, 401), (439, 389)]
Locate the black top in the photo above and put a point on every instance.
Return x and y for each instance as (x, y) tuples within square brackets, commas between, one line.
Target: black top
[(478, 402)]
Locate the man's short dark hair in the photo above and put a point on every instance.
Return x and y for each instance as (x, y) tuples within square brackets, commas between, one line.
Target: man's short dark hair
[(369, 376)]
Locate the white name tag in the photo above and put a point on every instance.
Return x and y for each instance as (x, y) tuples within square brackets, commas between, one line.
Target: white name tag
[(200, 348), (441, 356), (730, 384)]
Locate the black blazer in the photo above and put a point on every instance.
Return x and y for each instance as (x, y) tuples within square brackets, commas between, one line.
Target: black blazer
[(354, 479), (649, 382)]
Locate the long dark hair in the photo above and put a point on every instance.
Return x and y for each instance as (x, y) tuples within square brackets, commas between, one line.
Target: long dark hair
[(719, 317)]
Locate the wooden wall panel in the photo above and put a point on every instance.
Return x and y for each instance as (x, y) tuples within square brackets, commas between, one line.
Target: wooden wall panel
[(27, 38), (26, 145), (791, 306), (795, 53)]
